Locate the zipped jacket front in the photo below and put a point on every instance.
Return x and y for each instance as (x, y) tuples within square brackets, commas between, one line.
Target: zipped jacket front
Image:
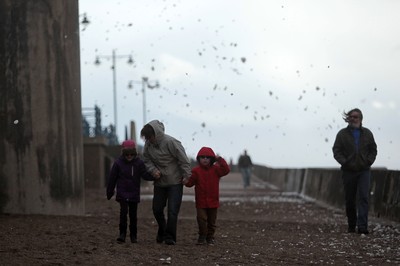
[(351, 157), (166, 155), (126, 176), (206, 181)]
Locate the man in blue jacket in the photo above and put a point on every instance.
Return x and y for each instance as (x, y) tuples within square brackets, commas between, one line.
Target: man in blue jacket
[(355, 150)]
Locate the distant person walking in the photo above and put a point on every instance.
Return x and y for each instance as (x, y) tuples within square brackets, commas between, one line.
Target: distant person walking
[(205, 177), (355, 150), (245, 166), (126, 174), (165, 157)]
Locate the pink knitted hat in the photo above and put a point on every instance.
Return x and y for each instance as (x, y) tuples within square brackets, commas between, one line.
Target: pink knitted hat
[(128, 144)]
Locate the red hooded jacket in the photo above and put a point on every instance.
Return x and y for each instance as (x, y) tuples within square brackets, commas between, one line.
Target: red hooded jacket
[(206, 179)]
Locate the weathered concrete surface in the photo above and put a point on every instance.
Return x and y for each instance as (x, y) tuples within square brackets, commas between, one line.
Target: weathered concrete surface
[(41, 161)]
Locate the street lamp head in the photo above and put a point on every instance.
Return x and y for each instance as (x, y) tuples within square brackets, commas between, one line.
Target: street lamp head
[(130, 60), (156, 85), (85, 20)]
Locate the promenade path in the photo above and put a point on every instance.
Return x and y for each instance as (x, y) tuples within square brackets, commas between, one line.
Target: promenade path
[(259, 225)]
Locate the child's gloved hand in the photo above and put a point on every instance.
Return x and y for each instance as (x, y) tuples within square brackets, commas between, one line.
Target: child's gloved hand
[(109, 195)]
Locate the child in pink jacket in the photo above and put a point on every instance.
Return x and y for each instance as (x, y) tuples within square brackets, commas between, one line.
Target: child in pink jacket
[(205, 177)]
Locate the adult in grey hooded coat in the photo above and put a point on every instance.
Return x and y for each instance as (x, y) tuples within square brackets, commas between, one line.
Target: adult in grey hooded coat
[(165, 157)]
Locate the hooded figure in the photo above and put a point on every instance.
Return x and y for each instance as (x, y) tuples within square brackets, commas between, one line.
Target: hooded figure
[(165, 157), (205, 177)]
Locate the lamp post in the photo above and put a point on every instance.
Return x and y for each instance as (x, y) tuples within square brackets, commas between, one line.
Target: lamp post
[(145, 81), (113, 56)]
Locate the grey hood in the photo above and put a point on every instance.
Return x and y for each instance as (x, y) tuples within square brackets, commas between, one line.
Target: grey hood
[(167, 155)]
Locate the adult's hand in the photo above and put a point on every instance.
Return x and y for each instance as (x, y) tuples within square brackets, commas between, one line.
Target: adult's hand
[(156, 174)]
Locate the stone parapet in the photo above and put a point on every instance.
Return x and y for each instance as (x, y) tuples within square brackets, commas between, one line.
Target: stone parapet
[(325, 186)]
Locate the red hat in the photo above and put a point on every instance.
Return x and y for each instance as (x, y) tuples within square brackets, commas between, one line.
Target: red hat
[(128, 144)]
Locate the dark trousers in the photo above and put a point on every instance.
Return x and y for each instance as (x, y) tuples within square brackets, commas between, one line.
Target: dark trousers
[(206, 220), (356, 189), (125, 209), (171, 195), (246, 175)]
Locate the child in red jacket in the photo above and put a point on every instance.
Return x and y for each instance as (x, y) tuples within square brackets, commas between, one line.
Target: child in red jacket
[(205, 177)]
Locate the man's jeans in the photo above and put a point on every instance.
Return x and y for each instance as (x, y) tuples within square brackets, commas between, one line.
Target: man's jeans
[(246, 174), (357, 183), (173, 196)]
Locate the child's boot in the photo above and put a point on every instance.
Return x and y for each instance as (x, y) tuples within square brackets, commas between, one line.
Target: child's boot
[(133, 233), (122, 234), (210, 240), (133, 238), (201, 240)]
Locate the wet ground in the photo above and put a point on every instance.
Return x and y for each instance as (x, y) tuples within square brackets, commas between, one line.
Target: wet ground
[(256, 226)]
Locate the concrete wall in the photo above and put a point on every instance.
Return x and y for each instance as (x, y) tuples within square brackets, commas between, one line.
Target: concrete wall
[(325, 185), (41, 160), (97, 162)]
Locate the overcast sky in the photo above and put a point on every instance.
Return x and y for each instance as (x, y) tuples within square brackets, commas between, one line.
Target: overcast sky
[(271, 77)]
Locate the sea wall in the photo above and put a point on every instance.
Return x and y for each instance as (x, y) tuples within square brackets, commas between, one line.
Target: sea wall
[(325, 186)]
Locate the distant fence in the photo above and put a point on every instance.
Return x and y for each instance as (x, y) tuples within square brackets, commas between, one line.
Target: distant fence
[(325, 185)]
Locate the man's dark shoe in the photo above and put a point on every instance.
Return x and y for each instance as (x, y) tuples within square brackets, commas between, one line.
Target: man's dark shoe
[(351, 230), (363, 231), (133, 239), (169, 242)]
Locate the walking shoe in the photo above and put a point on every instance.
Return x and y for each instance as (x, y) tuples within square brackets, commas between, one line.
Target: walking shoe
[(201, 240), (133, 239), (211, 241), (159, 239), (121, 238), (169, 242), (351, 230), (363, 231)]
